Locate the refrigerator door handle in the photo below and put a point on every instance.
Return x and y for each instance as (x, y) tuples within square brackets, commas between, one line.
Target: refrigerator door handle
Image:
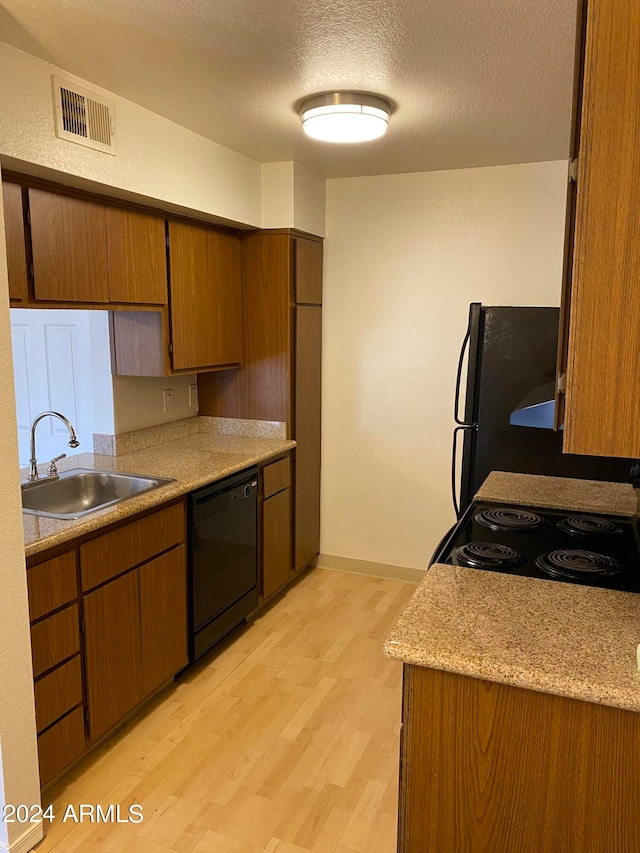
[(456, 412), (454, 465)]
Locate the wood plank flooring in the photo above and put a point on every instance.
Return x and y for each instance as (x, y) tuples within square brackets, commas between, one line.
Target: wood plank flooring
[(284, 739)]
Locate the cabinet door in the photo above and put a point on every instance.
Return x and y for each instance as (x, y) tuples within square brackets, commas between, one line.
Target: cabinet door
[(14, 235), (113, 656), (603, 372), (69, 243), (163, 602), (308, 271), (137, 257), (307, 432), (276, 542), (206, 319)]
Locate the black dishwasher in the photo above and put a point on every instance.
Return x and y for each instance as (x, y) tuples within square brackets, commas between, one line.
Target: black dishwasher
[(223, 558)]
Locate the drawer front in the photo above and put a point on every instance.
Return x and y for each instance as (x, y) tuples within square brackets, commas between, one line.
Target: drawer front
[(55, 639), (60, 745), (52, 584), (276, 477), (58, 692), (110, 555)]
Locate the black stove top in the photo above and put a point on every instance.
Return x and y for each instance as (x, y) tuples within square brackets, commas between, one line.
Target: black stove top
[(549, 544)]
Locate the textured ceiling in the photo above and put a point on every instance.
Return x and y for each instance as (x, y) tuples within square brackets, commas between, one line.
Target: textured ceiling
[(474, 82)]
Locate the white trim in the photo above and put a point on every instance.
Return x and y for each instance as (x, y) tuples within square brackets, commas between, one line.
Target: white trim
[(26, 842), (366, 567)]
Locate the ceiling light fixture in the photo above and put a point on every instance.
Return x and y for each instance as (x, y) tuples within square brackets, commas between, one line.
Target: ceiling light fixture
[(345, 117)]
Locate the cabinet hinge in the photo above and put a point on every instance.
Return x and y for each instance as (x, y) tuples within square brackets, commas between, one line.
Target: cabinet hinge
[(561, 383), (82, 626), (170, 349), (31, 273), (28, 217), (573, 171), (167, 240), (86, 716)]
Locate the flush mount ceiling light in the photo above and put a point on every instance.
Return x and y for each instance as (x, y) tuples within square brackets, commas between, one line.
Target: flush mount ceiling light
[(345, 117)]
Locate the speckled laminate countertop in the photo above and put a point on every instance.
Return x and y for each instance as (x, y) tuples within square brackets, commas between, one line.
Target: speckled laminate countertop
[(559, 493), (192, 462), (558, 638)]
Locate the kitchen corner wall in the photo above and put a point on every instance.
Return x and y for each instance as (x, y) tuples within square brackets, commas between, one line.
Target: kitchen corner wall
[(18, 754), (404, 257)]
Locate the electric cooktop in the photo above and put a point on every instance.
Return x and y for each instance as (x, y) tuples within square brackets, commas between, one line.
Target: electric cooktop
[(548, 544)]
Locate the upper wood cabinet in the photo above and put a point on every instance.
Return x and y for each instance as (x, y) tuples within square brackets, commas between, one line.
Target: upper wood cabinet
[(206, 299), (136, 246), (308, 271), (92, 253), (69, 243), (602, 409), (14, 235)]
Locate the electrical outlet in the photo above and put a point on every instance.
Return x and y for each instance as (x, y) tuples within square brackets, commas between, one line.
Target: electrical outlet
[(193, 394), (167, 396)]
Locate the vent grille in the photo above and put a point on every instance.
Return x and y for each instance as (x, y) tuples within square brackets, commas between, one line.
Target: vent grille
[(83, 116)]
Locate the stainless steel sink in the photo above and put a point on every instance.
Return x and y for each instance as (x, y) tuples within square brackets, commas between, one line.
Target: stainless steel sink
[(80, 491)]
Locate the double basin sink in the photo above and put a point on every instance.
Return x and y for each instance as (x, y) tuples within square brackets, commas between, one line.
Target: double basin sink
[(80, 491)]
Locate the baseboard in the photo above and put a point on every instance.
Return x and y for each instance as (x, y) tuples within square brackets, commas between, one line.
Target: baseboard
[(366, 567), (26, 842)]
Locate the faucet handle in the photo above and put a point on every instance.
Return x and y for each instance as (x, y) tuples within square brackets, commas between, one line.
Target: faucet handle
[(52, 470)]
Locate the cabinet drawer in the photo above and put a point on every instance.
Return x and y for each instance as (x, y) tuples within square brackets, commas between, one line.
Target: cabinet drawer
[(51, 585), (58, 692), (60, 745), (55, 639), (276, 477), (110, 555)]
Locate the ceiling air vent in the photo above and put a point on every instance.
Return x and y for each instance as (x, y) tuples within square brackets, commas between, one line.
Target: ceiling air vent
[(83, 116)]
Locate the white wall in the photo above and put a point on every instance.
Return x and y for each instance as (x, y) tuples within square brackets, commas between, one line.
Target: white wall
[(404, 257), (17, 717), (293, 197), (138, 402), (156, 158)]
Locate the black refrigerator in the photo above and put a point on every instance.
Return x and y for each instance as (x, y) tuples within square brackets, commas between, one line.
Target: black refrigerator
[(511, 369)]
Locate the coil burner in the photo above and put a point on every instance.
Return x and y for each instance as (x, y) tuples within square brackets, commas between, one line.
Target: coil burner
[(487, 555), (575, 564), (504, 519), (588, 525)]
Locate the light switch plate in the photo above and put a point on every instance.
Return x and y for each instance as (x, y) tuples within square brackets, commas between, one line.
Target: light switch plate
[(167, 396), (193, 394)]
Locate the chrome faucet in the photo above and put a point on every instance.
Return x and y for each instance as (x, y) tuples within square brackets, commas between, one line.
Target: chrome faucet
[(33, 464)]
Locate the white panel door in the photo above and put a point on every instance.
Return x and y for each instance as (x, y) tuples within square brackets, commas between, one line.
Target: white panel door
[(52, 369)]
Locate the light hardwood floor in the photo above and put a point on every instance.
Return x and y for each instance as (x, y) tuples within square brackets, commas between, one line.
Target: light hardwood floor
[(282, 740)]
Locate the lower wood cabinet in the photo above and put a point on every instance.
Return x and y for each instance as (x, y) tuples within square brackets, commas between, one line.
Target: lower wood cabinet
[(491, 768), (277, 564), (135, 626), (163, 608), (113, 654), (60, 745), (97, 656), (276, 561)]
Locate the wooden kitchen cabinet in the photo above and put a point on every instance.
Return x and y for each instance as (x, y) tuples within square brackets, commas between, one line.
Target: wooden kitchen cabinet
[(602, 406), (163, 607), (206, 300), (16, 246), (280, 378), (490, 768), (136, 245), (54, 613), (113, 652), (108, 630), (87, 252), (277, 551), (69, 245), (135, 633)]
